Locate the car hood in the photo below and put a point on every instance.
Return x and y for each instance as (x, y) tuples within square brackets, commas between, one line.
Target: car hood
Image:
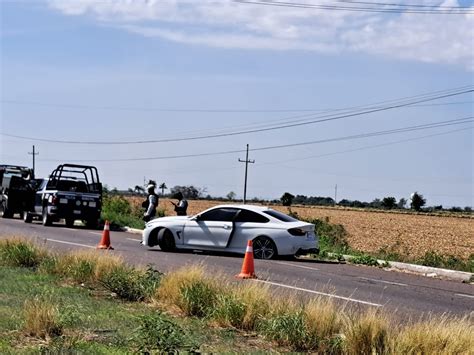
[(168, 219)]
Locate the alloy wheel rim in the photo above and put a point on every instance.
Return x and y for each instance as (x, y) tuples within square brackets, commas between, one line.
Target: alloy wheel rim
[(264, 249)]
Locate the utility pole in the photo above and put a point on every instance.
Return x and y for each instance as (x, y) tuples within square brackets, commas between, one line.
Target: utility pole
[(33, 153), (246, 161), (335, 195)]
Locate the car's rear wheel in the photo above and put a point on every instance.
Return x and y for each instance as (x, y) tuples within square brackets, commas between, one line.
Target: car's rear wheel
[(166, 240), (27, 217), (46, 218), (264, 248)]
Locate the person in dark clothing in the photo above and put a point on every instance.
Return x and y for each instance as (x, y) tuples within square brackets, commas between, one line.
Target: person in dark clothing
[(150, 204), (182, 205)]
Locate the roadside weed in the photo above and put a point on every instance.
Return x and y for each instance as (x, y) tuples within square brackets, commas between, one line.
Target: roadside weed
[(366, 333), (158, 332), (20, 252), (41, 318), (438, 335)]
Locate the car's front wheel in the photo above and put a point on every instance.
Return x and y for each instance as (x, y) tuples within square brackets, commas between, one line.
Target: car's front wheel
[(264, 248), (166, 240), (5, 211)]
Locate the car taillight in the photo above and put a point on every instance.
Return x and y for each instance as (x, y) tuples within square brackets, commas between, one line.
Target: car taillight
[(297, 232), (54, 200)]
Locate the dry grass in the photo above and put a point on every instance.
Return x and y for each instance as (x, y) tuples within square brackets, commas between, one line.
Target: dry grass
[(256, 298), (407, 234), (86, 265), (169, 291), (41, 318), (324, 320), (367, 333), (439, 335)]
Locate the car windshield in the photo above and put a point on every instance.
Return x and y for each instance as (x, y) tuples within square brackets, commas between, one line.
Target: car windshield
[(280, 216)]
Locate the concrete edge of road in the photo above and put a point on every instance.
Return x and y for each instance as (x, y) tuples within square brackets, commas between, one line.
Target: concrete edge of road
[(398, 266), (422, 270)]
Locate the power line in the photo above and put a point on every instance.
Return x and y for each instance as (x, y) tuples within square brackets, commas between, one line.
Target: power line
[(357, 8), (404, 5), (322, 118), (367, 147), (193, 110), (327, 140)]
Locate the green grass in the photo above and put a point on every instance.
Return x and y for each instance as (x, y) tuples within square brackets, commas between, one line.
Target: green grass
[(181, 313), (94, 322)]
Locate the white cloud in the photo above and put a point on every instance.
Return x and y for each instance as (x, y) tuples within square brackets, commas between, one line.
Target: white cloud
[(446, 39)]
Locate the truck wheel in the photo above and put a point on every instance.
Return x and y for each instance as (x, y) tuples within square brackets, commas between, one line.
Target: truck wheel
[(92, 223), (5, 211), (46, 217), (27, 217), (69, 222)]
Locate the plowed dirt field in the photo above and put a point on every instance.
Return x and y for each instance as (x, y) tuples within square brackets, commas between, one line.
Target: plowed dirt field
[(410, 235)]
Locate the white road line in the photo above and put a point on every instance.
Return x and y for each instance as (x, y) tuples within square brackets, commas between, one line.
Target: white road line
[(383, 282), (60, 241), (463, 295), (135, 240), (300, 266), (321, 293)]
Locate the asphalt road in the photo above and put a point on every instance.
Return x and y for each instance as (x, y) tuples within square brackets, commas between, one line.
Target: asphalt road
[(404, 295)]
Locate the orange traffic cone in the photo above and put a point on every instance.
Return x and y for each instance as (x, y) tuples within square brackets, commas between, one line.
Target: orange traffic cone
[(105, 240), (248, 269)]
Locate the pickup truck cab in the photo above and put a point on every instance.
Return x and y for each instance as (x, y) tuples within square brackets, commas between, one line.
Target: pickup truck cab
[(72, 192), (14, 189)]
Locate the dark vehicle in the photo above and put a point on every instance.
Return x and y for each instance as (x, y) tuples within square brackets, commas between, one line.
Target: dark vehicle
[(15, 189), (72, 192)]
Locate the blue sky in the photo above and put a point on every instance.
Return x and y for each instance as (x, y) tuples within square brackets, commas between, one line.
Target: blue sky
[(115, 71)]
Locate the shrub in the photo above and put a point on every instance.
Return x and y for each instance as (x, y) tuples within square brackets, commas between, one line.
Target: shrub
[(199, 298), (131, 284), (332, 237), (41, 318), (21, 253), (158, 332)]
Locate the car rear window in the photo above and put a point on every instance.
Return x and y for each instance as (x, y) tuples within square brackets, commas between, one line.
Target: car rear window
[(280, 216)]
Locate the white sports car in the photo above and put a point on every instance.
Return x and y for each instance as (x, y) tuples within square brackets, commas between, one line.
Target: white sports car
[(229, 227)]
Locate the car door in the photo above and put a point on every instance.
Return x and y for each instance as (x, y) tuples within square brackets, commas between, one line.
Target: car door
[(212, 228)]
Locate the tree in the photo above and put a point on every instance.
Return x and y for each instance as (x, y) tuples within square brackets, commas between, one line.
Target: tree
[(189, 192), (389, 202), (231, 195), (402, 203), (163, 187), (287, 199), (376, 203), (139, 189), (417, 201)]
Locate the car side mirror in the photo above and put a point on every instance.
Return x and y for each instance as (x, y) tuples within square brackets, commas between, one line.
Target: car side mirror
[(197, 218)]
